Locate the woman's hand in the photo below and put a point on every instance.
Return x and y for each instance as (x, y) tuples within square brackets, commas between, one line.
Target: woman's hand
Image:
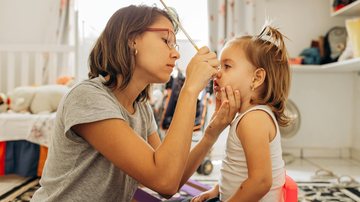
[(212, 193), (227, 105), (202, 67)]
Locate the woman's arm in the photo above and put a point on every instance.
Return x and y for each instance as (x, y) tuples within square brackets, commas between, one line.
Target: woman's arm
[(254, 131), (154, 140), (222, 117), (159, 169)]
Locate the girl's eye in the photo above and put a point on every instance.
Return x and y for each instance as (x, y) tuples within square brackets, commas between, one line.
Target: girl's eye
[(226, 66)]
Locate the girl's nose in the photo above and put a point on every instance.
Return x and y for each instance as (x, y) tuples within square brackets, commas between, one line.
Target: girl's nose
[(218, 74)]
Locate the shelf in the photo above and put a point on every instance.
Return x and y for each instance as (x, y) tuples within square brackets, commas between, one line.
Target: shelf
[(352, 65), (352, 9)]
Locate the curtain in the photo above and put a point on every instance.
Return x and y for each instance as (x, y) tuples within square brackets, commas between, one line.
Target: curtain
[(62, 32), (229, 18)]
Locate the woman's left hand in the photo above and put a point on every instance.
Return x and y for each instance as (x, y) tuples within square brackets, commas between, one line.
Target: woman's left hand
[(227, 105)]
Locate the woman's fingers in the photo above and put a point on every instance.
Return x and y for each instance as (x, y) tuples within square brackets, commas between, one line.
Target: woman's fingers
[(200, 69), (223, 110), (237, 99), (214, 63), (223, 96), (231, 97), (203, 50)]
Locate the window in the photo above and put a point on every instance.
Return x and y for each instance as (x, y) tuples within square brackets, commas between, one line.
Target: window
[(94, 14)]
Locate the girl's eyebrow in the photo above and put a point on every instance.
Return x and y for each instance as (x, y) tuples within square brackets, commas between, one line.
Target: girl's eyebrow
[(227, 60)]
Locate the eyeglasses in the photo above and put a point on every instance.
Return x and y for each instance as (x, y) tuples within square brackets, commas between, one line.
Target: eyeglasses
[(170, 40)]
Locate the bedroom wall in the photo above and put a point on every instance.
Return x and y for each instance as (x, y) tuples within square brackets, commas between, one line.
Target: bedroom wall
[(300, 21), (27, 22), (356, 138), (325, 100)]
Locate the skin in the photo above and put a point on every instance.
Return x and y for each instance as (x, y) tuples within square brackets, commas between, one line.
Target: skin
[(153, 157), (255, 130)]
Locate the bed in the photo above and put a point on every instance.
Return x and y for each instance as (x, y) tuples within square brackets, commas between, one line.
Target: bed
[(35, 128), (24, 137), (23, 65)]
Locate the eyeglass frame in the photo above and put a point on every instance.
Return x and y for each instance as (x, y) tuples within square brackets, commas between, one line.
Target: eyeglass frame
[(174, 44)]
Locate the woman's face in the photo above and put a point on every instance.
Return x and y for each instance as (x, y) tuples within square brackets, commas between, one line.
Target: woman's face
[(156, 56), (236, 71)]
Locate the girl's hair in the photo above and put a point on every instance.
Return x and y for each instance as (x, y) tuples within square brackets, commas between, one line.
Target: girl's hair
[(113, 54), (267, 50)]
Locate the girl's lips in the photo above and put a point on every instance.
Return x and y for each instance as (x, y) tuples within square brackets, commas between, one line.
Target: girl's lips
[(216, 83)]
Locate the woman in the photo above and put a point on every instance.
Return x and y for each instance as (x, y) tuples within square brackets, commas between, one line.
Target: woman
[(105, 142)]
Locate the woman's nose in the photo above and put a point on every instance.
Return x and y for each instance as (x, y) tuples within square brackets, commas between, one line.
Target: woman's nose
[(175, 54)]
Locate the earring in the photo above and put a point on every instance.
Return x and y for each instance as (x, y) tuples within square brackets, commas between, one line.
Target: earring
[(136, 52)]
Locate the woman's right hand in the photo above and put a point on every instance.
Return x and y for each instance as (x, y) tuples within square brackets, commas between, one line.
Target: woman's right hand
[(209, 194), (201, 68)]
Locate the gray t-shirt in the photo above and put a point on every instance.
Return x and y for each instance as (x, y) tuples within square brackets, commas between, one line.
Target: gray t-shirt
[(74, 170)]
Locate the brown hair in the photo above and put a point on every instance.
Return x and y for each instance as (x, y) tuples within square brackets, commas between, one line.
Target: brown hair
[(112, 54), (267, 50)]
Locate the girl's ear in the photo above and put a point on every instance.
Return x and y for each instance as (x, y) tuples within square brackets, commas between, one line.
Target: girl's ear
[(259, 77)]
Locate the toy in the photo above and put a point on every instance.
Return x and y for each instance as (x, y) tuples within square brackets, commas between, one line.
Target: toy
[(66, 80), (4, 102), (40, 99)]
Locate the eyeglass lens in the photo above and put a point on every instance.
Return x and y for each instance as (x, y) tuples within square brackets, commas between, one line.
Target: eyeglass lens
[(171, 41)]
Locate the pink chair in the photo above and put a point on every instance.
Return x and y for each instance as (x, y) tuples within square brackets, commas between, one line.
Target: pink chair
[(290, 190)]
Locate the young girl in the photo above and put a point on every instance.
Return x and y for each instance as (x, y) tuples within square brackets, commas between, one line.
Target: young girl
[(105, 142), (253, 168)]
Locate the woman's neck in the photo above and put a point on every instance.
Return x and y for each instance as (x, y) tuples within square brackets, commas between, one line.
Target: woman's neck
[(126, 97)]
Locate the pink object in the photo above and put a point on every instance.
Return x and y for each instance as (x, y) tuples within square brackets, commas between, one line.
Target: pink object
[(290, 190)]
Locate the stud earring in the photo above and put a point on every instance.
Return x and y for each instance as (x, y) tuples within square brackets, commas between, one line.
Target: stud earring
[(136, 52)]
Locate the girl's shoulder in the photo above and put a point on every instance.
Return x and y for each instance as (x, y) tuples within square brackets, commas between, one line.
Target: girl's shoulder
[(253, 112), (259, 118)]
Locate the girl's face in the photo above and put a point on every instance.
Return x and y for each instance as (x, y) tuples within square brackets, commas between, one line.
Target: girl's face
[(156, 55), (236, 71)]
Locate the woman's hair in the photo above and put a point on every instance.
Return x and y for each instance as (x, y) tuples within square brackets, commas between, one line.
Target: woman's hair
[(267, 50), (113, 54)]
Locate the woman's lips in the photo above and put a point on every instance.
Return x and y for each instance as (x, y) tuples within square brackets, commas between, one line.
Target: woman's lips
[(171, 65)]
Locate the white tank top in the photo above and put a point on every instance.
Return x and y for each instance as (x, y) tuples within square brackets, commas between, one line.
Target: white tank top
[(234, 169)]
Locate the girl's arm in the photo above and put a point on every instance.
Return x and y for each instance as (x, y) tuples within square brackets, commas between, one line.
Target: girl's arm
[(209, 194), (255, 131)]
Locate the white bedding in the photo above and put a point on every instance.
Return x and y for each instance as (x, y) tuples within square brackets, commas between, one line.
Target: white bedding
[(36, 128)]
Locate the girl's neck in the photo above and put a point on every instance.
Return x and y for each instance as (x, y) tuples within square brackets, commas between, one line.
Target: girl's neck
[(246, 104)]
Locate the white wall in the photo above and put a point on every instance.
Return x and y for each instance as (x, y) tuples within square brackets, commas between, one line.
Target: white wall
[(356, 137), (28, 22), (325, 101), (300, 21)]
